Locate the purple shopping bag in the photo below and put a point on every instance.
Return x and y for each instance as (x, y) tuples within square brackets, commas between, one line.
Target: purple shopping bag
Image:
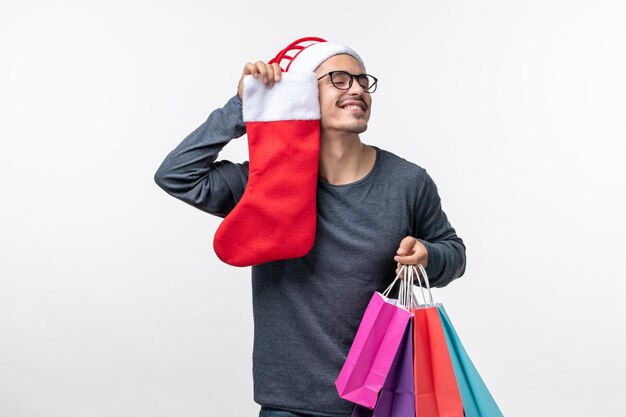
[(397, 397), (373, 350)]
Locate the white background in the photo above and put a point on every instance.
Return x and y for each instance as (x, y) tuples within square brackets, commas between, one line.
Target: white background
[(112, 301)]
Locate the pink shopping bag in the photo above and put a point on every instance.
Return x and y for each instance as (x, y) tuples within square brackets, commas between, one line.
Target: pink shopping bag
[(374, 347)]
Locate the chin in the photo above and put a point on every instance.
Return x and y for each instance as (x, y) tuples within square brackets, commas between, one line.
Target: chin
[(360, 128), (347, 127)]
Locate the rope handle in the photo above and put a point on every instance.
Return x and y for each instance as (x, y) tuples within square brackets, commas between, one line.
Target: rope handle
[(426, 282), (406, 296)]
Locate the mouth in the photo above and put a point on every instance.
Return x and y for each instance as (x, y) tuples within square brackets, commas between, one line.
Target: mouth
[(354, 106)]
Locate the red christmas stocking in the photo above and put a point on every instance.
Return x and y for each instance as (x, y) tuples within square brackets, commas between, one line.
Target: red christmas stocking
[(276, 216)]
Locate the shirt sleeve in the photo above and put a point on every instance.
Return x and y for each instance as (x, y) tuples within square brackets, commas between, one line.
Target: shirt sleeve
[(446, 250), (190, 171)]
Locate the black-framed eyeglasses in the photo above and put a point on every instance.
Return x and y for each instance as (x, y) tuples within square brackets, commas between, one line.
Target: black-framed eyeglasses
[(343, 80)]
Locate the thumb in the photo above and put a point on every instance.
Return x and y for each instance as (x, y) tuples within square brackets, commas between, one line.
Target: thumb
[(406, 245)]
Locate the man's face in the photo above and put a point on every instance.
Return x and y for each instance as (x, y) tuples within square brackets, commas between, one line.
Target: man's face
[(337, 106)]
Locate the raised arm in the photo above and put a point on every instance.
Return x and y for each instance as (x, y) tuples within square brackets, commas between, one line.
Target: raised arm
[(190, 172)]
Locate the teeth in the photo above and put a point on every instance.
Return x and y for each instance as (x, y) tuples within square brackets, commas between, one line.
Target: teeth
[(353, 106)]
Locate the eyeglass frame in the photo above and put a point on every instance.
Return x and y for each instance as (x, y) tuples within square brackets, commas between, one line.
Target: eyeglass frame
[(352, 77)]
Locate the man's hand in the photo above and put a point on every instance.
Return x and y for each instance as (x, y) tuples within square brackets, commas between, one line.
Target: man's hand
[(269, 74), (411, 252)]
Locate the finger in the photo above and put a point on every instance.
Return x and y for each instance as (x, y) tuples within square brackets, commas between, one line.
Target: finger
[(260, 65), (250, 69), (277, 71), (420, 255), (409, 259), (270, 75)]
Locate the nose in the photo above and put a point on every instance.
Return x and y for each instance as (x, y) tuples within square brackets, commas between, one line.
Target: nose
[(355, 87)]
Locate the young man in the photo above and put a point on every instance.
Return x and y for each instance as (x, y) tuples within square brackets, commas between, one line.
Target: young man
[(375, 211)]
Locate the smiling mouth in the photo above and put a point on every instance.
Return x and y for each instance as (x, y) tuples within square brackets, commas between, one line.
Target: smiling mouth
[(354, 108)]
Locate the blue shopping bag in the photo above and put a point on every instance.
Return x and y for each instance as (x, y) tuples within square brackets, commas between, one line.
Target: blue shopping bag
[(477, 400)]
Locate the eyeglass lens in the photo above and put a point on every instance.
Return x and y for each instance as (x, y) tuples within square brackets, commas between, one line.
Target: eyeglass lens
[(342, 79)]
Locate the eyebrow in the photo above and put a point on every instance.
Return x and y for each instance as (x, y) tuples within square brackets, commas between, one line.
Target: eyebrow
[(345, 70)]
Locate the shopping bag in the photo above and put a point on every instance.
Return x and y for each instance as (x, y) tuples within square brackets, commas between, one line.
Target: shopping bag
[(397, 397), (436, 390), (373, 350), (477, 400)]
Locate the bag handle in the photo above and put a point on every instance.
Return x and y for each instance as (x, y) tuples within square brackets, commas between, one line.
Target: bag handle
[(426, 281), (412, 301), (406, 296), (388, 290)]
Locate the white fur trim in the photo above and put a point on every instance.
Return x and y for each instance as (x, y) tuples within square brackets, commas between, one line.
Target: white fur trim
[(312, 56), (294, 97)]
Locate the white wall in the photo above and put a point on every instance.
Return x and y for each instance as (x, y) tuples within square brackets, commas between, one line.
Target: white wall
[(112, 301)]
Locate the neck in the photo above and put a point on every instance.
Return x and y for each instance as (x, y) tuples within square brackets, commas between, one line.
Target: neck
[(344, 158)]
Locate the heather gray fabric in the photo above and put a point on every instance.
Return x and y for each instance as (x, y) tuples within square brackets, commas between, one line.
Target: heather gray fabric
[(307, 310)]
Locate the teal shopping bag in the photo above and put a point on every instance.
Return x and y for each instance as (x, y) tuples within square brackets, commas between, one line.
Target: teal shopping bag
[(477, 400)]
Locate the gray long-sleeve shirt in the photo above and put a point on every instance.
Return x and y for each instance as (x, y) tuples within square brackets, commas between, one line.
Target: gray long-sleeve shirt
[(307, 310)]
